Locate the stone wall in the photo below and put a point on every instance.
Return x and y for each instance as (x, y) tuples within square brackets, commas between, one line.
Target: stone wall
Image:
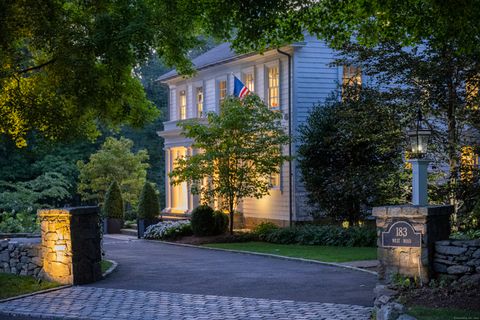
[(20, 258), (458, 260)]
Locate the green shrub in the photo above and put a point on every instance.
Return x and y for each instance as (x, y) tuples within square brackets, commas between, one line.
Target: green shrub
[(466, 235), (220, 222), (203, 223), (322, 235), (21, 222), (264, 228), (168, 230), (113, 206), (148, 207)]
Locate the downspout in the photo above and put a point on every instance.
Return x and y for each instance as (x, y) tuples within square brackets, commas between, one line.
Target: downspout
[(290, 171)]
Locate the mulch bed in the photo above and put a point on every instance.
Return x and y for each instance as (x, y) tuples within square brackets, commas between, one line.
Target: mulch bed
[(454, 296)]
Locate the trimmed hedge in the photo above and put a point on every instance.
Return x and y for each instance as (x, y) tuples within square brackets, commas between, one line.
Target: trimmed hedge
[(320, 235), (113, 206), (148, 207)]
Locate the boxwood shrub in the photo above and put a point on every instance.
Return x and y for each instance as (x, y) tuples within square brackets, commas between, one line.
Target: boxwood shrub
[(220, 222), (203, 223)]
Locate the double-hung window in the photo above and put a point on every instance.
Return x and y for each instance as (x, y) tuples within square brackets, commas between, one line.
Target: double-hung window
[(249, 81), (351, 81), (182, 105), (222, 91), (273, 93), (199, 102)]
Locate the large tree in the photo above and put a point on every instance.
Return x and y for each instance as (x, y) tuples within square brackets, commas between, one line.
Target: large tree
[(351, 154), (67, 64), (239, 149)]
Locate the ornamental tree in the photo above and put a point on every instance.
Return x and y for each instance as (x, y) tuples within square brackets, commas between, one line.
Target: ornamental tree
[(115, 161), (238, 151), (148, 206)]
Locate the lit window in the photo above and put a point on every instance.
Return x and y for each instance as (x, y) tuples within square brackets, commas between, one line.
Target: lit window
[(275, 180), (273, 87), (351, 78), (199, 100), (249, 81), (183, 105), (222, 91), (179, 192), (468, 163), (471, 92)]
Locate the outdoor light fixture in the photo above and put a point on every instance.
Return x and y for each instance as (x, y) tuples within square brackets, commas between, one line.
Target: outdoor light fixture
[(419, 138)]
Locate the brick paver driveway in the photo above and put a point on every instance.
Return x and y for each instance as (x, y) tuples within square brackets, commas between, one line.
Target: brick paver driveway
[(160, 281)]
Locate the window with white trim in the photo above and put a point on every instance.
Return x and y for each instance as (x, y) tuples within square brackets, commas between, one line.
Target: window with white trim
[(249, 81), (222, 91), (199, 102), (273, 93), (182, 105), (275, 180)]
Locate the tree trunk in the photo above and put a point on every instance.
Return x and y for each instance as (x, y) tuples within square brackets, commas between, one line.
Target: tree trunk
[(232, 213), (452, 141)]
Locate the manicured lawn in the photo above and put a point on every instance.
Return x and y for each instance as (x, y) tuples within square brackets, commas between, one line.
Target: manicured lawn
[(423, 313), (13, 285), (105, 265), (321, 253)]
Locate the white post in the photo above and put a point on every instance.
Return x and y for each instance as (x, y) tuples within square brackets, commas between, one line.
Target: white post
[(419, 181)]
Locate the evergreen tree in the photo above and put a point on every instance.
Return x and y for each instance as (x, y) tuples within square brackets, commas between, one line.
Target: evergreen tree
[(113, 206), (148, 206)]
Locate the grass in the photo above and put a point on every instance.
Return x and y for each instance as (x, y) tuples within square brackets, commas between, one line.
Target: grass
[(320, 253), (105, 265), (12, 285), (424, 313)]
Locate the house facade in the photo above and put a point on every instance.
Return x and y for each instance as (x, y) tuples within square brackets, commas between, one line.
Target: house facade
[(290, 80)]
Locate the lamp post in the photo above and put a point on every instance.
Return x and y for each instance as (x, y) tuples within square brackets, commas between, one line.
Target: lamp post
[(419, 137)]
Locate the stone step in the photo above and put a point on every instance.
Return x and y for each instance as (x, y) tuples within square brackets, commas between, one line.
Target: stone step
[(129, 232)]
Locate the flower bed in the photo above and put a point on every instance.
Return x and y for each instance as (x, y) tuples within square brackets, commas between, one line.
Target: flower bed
[(168, 230)]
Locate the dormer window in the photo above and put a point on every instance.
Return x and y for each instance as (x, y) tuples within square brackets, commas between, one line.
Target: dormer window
[(182, 105)]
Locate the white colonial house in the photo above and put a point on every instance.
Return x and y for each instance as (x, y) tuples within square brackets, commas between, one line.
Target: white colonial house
[(291, 80)]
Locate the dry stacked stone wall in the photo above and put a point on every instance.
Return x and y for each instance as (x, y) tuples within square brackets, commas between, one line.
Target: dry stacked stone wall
[(20, 258), (458, 260)]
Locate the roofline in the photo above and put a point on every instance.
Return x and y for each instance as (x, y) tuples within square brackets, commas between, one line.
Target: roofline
[(238, 57)]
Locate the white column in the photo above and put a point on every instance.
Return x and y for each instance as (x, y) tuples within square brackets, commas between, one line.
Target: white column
[(419, 181), (168, 168)]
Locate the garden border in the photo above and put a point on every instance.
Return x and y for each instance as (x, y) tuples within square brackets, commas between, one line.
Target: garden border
[(35, 293), (332, 264), (111, 269)]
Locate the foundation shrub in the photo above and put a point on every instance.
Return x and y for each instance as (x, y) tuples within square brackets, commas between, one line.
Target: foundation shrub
[(203, 221), (264, 228), (322, 235), (220, 222)]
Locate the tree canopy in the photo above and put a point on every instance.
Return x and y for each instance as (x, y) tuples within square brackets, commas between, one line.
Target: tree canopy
[(257, 25), (65, 65), (239, 150)]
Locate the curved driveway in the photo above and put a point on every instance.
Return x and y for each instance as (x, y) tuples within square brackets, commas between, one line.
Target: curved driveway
[(155, 266)]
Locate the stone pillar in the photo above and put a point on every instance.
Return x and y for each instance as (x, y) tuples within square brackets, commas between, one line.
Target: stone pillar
[(71, 245), (406, 239)]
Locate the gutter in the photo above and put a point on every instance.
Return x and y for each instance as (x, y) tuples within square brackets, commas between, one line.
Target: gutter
[(290, 171)]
